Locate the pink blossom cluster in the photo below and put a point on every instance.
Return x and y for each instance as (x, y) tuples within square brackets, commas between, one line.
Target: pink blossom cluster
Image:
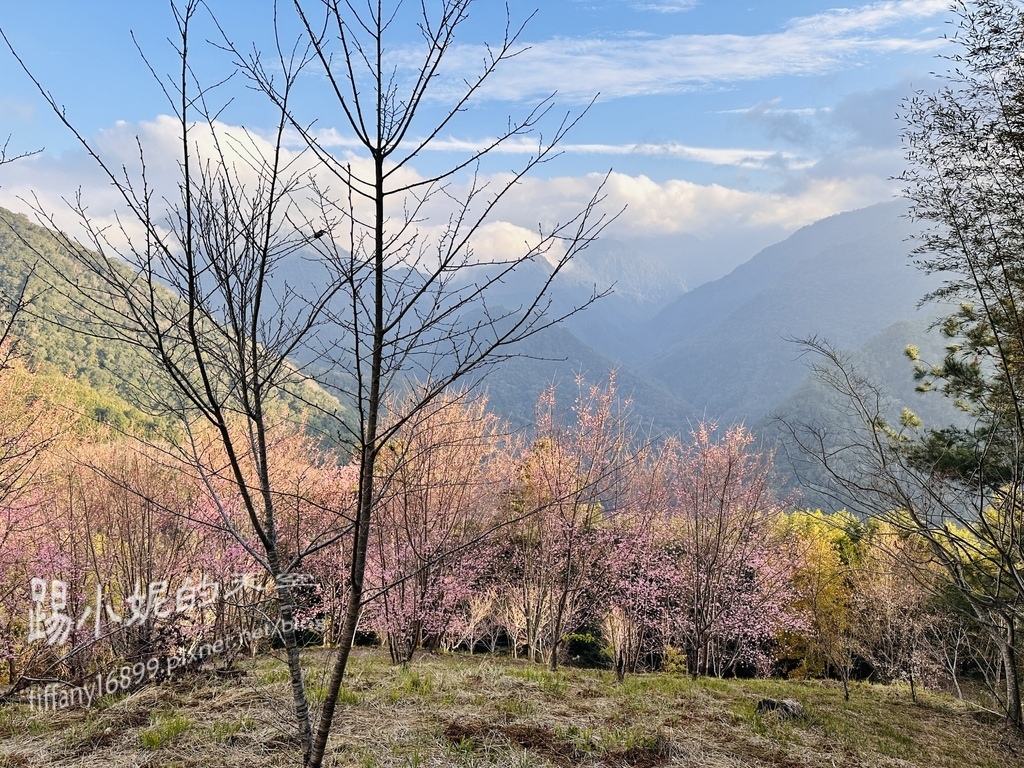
[(478, 537)]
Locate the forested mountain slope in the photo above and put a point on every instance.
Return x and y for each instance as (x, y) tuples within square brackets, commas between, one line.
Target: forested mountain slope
[(112, 378)]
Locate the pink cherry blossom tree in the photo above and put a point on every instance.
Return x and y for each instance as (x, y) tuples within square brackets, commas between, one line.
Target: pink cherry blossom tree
[(641, 573), (570, 482), (427, 551), (733, 569)]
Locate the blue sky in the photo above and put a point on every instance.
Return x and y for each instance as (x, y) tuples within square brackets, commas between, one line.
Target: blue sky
[(735, 122)]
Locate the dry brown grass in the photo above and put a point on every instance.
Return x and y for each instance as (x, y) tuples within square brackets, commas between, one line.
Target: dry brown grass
[(479, 711)]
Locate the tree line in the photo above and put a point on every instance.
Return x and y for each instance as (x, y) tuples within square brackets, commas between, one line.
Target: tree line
[(581, 544)]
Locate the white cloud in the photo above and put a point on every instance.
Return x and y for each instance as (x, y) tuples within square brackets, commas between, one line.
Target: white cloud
[(667, 7), (722, 156), (840, 21), (676, 206), (736, 157), (771, 108), (625, 66), (498, 241), (653, 209), (56, 184)]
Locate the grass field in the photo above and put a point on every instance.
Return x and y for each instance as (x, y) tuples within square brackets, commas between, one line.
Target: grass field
[(485, 711)]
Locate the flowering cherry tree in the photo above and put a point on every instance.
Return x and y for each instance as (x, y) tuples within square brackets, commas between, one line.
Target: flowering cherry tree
[(427, 552), (732, 568), (570, 482), (640, 594)]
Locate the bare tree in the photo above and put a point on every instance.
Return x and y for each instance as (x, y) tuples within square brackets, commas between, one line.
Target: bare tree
[(380, 309), (9, 156), (417, 310)]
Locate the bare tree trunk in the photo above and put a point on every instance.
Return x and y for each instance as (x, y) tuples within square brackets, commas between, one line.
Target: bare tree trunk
[(952, 663), (314, 758), (556, 631), (291, 647), (1008, 655)]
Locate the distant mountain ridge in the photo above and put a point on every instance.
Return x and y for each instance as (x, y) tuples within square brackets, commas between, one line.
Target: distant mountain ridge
[(726, 346), (719, 351), (723, 350)]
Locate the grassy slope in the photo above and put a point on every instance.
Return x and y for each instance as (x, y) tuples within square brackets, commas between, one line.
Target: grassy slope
[(479, 711)]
